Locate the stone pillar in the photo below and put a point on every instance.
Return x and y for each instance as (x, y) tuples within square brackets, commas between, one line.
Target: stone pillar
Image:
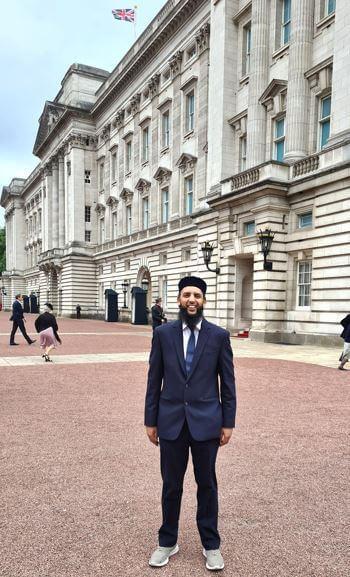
[(61, 201), (258, 81), (54, 203), (298, 95), (340, 119), (47, 240)]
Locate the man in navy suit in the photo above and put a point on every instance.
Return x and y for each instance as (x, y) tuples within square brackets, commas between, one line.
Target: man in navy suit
[(17, 319), (186, 408)]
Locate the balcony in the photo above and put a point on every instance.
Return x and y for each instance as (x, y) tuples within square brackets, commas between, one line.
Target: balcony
[(143, 235)]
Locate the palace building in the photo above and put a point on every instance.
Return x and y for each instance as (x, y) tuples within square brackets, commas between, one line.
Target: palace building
[(225, 119)]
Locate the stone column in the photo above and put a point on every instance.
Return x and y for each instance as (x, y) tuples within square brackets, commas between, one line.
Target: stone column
[(61, 201), (47, 239), (298, 95), (340, 119), (258, 81), (54, 203)]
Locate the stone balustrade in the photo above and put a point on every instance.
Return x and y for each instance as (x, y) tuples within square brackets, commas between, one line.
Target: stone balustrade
[(306, 165), (245, 178)]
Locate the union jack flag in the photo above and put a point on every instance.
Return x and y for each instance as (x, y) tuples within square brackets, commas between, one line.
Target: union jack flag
[(126, 14)]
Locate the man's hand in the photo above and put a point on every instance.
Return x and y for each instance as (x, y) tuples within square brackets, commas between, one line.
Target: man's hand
[(152, 435), (225, 436)]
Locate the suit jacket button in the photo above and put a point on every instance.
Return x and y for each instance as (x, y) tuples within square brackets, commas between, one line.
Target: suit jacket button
[(186, 385), (186, 403)]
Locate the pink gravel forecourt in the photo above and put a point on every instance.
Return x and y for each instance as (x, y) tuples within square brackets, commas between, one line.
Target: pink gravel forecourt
[(80, 483)]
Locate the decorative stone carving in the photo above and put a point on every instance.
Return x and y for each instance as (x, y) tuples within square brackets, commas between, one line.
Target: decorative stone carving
[(119, 119), (143, 185), (202, 38), (162, 175), (175, 63), (186, 162), (153, 85), (100, 208), (126, 195), (135, 103), (48, 169), (269, 95), (112, 201), (105, 134)]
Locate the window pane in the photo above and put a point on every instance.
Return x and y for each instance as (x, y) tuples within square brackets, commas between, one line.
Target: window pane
[(280, 128), (189, 203), (326, 107), (331, 6), (286, 10), (325, 129), (249, 228), (280, 150), (305, 220)]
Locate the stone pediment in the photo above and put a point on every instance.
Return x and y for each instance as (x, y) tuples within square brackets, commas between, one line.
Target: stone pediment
[(143, 184), (162, 173), (100, 208), (273, 88), (51, 114), (126, 194), (112, 201), (186, 161)]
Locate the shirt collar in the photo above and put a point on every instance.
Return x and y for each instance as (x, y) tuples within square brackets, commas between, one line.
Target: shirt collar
[(198, 325)]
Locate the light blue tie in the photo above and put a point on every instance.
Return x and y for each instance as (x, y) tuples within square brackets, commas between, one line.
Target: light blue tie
[(190, 352)]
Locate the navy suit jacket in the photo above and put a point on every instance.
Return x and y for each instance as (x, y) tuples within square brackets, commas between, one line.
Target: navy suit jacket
[(17, 311), (173, 396)]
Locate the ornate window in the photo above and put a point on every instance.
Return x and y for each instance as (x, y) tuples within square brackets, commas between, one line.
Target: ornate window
[(114, 166), (243, 152), (286, 22), (165, 138), (145, 212), (145, 144), (190, 104), (247, 41), (128, 156), (128, 219)]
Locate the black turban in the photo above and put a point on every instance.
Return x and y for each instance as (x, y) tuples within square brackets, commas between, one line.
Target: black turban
[(193, 281)]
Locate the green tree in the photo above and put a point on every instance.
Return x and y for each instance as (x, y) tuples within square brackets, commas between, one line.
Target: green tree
[(2, 250)]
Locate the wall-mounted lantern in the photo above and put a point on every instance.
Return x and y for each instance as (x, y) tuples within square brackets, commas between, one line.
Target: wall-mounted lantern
[(207, 250), (266, 237)]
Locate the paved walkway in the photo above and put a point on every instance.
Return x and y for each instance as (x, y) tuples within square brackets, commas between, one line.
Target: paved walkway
[(80, 484)]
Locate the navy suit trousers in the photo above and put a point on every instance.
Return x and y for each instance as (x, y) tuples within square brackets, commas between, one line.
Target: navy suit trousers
[(173, 461)]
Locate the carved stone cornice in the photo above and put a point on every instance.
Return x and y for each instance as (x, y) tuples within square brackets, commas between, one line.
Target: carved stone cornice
[(100, 208), (54, 163), (112, 201), (202, 37), (47, 169), (135, 103), (119, 119), (79, 140), (106, 132), (143, 185), (175, 63), (153, 85), (186, 162), (162, 175), (126, 194)]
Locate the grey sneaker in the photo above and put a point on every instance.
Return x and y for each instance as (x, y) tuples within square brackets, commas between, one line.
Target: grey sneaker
[(161, 555), (214, 558)]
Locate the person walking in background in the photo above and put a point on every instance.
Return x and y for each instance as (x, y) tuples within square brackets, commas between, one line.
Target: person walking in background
[(78, 309), (17, 319), (345, 356), (46, 326), (157, 313), (185, 408)]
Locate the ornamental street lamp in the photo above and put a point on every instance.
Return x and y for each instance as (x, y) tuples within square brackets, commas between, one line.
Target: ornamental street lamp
[(266, 237), (207, 250), (144, 284), (125, 286)]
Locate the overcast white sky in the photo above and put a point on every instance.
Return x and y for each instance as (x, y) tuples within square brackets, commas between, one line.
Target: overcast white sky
[(39, 40)]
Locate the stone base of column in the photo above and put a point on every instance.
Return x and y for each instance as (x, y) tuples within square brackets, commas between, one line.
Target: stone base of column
[(294, 156)]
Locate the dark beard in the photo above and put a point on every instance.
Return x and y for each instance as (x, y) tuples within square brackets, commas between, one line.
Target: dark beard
[(190, 320)]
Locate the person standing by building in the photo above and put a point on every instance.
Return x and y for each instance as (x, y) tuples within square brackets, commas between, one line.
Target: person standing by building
[(186, 409), (157, 313), (345, 356), (46, 326), (78, 309), (17, 319)]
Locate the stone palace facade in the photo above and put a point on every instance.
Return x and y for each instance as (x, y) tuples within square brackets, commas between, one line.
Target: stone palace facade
[(225, 117)]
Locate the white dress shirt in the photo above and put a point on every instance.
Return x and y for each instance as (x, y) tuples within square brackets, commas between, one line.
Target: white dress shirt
[(186, 331)]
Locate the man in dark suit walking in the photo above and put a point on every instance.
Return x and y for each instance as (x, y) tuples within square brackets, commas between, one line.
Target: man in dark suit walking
[(17, 319), (157, 313), (185, 408)]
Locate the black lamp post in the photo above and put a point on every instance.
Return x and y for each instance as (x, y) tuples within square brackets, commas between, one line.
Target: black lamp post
[(144, 284), (266, 237), (207, 250), (125, 286)]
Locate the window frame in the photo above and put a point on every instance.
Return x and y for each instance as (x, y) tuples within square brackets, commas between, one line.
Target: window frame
[(128, 215), (145, 144), (88, 234), (87, 215), (101, 179), (300, 216), (277, 140), (165, 134), (286, 23), (190, 111), (128, 156), (114, 165), (145, 213), (299, 294), (324, 120), (164, 205), (246, 229), (246, 48), (189, 195)]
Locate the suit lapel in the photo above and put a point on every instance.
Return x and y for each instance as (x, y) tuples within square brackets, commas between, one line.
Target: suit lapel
[(202, 339), (178, 342)]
